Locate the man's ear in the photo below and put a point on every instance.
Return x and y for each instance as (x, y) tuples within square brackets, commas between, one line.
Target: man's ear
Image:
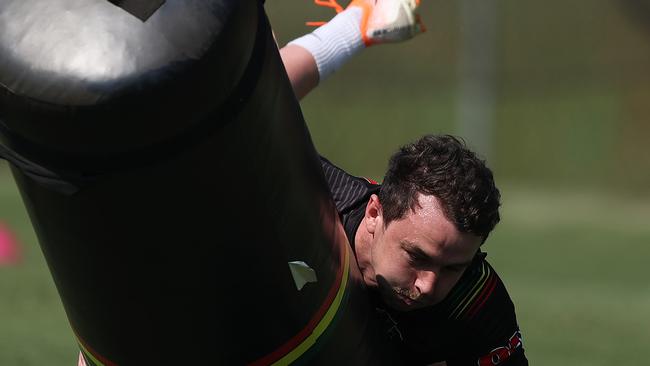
[(374, 217)]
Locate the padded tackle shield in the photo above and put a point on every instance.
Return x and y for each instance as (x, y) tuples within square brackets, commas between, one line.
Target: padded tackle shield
[(170, 178)]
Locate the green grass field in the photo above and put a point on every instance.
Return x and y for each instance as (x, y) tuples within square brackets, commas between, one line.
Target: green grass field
[(34, 327), (576, 265)]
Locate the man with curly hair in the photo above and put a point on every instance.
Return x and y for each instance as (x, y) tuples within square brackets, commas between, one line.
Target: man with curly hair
[(417, 237)]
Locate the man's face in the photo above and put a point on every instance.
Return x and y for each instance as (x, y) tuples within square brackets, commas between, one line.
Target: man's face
[(417, 259)]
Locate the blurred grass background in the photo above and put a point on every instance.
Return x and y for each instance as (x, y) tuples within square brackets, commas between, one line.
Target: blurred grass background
[(570, 135)]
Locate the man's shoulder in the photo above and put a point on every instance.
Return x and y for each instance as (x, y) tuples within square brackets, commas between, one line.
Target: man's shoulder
[(476, 322), (348, 191), (486, 316), (479, 293)]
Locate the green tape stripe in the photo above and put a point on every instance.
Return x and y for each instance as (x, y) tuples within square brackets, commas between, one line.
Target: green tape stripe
[(90, 359), (325, 322), (307, 358)]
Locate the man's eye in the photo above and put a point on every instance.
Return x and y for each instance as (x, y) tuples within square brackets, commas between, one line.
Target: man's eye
[(455, 268), (415, 258)]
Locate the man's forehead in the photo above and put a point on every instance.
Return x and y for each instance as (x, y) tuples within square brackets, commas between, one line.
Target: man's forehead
[(427, 204), (452, 254), (430, 211), (428, 219)]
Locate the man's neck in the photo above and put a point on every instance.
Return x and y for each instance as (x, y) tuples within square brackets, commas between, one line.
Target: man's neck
[(363, 252)]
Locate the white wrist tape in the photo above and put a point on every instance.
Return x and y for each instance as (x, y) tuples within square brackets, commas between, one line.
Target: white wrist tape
[(334, 43)]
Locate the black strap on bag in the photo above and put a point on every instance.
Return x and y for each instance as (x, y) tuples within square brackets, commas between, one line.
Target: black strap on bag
[(64, 182)]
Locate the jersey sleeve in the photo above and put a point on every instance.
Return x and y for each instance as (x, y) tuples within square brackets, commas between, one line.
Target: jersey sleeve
[(347, 191)]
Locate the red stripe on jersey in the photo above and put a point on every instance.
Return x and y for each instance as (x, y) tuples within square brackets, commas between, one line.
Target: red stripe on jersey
[(482, 298)]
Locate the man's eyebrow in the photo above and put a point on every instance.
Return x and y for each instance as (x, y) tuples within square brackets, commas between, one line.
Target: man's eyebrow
[(413, 248)]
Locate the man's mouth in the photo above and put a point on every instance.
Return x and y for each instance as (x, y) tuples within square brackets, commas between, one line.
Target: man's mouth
[(405, 299), (405, 296)]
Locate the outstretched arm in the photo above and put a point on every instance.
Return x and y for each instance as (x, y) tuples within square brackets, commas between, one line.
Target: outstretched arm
[(312, 58), (301, 68)]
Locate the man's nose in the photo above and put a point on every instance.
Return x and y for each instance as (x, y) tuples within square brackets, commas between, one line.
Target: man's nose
[(426, 282)]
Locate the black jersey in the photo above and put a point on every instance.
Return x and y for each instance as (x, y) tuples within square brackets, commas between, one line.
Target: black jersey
[(474, 325)]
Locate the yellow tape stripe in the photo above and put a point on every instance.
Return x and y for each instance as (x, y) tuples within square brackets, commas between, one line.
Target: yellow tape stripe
[(311, 339), (324, 322), (89, 355)]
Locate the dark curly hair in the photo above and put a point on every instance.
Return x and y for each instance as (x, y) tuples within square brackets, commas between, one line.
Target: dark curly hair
[(444, 167)]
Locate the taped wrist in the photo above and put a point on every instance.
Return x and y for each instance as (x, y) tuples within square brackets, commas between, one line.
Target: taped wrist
[(334, 43)]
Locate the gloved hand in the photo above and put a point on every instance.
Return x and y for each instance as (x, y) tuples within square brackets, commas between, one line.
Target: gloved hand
[(384, 21)]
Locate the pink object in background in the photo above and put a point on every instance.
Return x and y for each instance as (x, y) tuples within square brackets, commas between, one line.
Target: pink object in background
[(9, 248)]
